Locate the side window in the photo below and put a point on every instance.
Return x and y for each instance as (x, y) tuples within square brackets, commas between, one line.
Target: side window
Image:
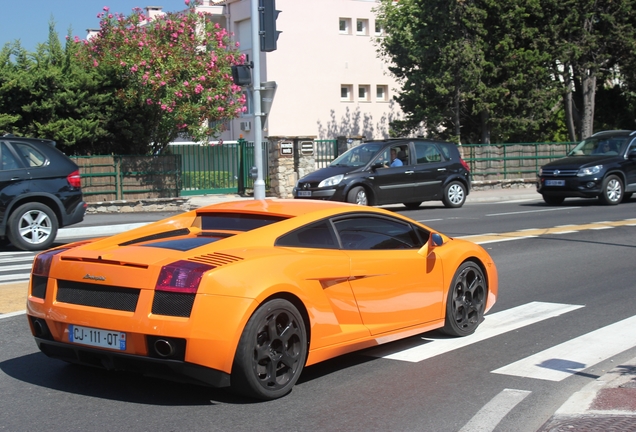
[(32, 157), (317, 235), (8, 161), (427, 153), (376, 233)]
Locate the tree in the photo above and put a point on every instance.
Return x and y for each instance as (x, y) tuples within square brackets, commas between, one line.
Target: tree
[(470, 69), (590, 39), (173, 72)]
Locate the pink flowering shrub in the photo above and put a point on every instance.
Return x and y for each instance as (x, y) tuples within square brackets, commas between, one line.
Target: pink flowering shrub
[(177, 66)]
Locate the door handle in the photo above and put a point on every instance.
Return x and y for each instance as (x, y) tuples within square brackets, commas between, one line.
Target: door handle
[(441, 169), (409, 172)]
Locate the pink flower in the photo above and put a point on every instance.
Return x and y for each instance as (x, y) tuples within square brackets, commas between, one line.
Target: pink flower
[(149, 101), (185, 83), (106, 9), (220, 109), (95, 63)]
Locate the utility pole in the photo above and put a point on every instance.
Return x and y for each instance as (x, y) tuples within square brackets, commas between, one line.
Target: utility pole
[(259, 183)]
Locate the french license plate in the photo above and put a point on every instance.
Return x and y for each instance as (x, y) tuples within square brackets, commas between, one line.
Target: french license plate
[(555, 182), (97, 337), (304, 193)]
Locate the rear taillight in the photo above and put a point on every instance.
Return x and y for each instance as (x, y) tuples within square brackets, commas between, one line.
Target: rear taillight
[(464, 164), (74, 179), (181, 276), (42, 262)]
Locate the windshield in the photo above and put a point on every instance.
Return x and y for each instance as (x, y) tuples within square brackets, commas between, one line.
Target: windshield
[(358, 156), (608, 146)]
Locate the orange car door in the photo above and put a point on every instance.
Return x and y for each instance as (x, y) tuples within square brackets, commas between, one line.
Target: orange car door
[(393, 285)]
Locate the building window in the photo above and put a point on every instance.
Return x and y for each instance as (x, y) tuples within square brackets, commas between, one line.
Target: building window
[(346, 92), (363, 93), (345, 25), (362, 27), (379, 31), (381, 93)]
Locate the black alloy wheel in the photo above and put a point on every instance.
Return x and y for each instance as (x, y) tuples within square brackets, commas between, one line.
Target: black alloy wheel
[(271, 353), (466, 300)]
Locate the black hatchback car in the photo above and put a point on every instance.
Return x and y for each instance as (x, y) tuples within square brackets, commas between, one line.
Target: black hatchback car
[(603, 166), (40, 191), (406, 171)]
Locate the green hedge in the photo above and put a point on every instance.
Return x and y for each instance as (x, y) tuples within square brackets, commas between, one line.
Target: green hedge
[(208, 180)]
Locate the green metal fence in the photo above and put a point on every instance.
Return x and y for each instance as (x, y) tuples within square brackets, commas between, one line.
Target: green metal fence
[(112, 177), (511, 161), (217, 168)]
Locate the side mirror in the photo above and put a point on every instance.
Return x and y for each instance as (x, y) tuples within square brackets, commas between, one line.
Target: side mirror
[(377, 165), (435, 240)]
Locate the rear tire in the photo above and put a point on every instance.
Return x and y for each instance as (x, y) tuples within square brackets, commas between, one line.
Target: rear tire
[(32, 226), (553, 200), (454, 195), (612, 190), (271, 353), (358, 195)]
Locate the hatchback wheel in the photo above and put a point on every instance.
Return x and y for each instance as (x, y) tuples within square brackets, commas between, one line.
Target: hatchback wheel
[(32, 226), (271, 353), (454, 195), (612, 190), (466, 300), (358, 195)]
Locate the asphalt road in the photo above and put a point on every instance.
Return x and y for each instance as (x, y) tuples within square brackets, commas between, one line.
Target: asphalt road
[(565, 293)]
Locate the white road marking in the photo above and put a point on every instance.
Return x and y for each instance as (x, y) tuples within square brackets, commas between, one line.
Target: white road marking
[(518, 201), (14, 259), (416, 349), (602, 228), (532, 211), (505, 239), (15, 277), (564, 232), (489, 416), (16, 267), (430, 220), (575, 355), (12, 314)]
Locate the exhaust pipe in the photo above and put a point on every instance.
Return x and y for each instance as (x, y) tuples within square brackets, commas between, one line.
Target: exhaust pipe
[(164, 348), (38, 328)]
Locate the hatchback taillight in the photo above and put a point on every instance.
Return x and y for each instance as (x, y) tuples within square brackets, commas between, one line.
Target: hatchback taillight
[(42, 262), (464, 164), (181, 276), (74, 179)]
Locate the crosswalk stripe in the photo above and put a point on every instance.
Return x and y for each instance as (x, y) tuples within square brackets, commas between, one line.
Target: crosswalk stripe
[(416, 349), (489, 416), (575, 355), (16, 267), (15, 277)]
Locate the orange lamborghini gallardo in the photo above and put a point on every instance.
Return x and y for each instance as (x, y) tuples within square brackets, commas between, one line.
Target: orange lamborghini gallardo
[(245, 294)]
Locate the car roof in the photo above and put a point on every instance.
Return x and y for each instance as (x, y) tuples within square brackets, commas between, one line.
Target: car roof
[(615, 133), (9, 137)]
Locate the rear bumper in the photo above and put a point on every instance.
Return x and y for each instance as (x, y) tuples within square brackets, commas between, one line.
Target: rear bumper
[(173, 370), (75, 215)]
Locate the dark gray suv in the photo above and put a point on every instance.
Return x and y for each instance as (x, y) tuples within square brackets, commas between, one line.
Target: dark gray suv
[(40, 191), (603, 166), (407, 171)]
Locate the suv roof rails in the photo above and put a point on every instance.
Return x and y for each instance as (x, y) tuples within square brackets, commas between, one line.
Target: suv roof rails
[(630, 132)]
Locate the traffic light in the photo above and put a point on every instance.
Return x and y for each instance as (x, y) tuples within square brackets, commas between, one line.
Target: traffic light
[(267, 24)]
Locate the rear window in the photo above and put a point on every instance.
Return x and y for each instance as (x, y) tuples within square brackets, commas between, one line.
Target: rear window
[(236, 221)]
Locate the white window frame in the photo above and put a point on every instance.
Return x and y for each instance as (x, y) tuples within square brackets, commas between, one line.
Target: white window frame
[(385, 93), (348, 88), (364, 23), (364, 92), (347, 23)]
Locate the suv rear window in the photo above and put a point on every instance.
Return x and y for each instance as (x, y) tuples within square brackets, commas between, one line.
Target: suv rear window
[(31, 156)]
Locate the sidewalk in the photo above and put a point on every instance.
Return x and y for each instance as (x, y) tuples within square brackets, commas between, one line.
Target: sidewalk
[(606, 404)]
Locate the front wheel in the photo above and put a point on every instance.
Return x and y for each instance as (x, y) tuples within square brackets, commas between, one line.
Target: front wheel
[(612, 190), (358, 195), (32, 226), (271, 353), (454, 195), (466, 300)]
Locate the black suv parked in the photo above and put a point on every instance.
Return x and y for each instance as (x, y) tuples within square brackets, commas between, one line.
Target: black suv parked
[(406, 171), (39, 192), (603, 166)]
